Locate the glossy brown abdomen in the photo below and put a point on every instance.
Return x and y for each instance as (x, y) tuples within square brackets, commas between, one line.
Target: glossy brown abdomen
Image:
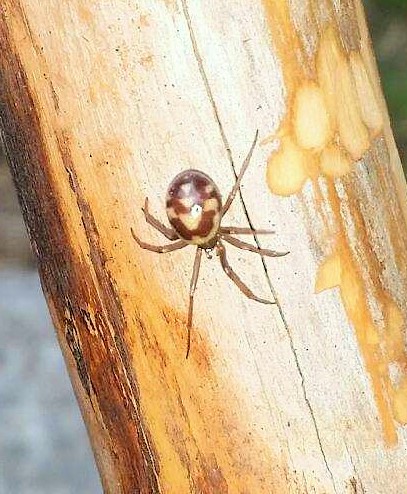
[(194, 207)]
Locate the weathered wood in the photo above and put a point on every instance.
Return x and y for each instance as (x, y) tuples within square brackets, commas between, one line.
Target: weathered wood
[(101, 103)]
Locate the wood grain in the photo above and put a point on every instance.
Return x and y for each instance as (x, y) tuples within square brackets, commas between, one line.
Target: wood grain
[(101, 104)]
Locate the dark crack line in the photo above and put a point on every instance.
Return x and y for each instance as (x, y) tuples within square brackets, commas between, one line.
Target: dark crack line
[(276, 300), (215, 111), (356, 473)]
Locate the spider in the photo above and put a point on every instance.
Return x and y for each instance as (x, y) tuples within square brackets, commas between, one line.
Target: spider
[(195, 211)]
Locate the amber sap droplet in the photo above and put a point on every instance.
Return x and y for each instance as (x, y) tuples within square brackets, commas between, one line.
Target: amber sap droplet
[(194, 207)]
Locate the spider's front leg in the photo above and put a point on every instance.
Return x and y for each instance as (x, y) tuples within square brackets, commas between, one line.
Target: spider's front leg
[(236, 187)]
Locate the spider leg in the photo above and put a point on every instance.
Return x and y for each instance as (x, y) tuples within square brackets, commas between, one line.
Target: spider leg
[(235, 278), (246, 162), (167, 232), (159, 248), (237, 230), (245, 246), (192, 288)]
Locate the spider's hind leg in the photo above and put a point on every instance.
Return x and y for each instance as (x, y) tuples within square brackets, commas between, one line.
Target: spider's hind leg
[(235, 278), (167, 232), (192, 288), (160, 249), (252, 248), (238, 230)]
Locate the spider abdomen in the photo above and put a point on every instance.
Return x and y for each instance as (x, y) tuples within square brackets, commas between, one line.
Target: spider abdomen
[(194, 207)]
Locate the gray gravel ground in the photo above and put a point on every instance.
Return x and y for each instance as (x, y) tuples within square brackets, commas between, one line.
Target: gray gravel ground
[(43, 442)]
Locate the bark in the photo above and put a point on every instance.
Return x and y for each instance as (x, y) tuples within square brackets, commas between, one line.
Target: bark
[(101, 104)]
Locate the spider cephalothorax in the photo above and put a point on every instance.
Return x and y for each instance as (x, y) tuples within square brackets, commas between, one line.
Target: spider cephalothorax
[(195, 211)]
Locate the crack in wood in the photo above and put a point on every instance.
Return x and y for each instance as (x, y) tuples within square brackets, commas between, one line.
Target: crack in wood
[(210, 95)]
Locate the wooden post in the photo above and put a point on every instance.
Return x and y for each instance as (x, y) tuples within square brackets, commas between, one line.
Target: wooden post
[(101, 104)]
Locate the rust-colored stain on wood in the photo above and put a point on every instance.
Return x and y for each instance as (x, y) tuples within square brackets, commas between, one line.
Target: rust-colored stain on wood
[(381, 344), (340, 270), (127, 350), (66, 281), (69, 282), (160, 423), (332, 120), (191, 423)]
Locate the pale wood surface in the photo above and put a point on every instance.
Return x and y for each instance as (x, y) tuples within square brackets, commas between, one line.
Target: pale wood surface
[(101, 104)]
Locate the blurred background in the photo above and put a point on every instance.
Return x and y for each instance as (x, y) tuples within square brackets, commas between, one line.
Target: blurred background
[(43, 443)]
